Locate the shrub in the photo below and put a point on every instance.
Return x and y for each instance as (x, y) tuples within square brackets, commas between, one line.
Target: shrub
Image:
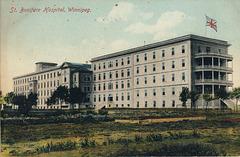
[(154, 137), (138, 138)]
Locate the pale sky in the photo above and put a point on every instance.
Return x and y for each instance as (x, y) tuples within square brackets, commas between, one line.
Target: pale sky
[(27, 38)]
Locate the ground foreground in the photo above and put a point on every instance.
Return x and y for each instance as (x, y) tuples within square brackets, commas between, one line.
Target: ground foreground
[(218, 135)]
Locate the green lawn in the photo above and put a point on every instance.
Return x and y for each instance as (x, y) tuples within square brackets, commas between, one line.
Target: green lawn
[(218, 135)]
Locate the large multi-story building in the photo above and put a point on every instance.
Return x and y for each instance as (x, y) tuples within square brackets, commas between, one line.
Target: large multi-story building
[(48, 76), (153, 75)]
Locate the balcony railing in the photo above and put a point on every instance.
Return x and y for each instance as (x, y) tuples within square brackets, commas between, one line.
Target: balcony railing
[(212, 81), (213, 67), (213, 54)]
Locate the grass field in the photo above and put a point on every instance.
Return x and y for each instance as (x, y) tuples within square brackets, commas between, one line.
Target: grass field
[(218, 135)]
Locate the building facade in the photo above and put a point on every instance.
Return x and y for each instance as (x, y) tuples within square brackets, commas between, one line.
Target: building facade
[(153, 75), (49, 76)]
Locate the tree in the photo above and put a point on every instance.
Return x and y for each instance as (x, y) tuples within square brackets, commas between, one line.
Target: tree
[(235, 94), (184, 96), (76, 96), (61, 93), (72, 96), (194, 96), (207, 97), (25, 103), (9, 98)]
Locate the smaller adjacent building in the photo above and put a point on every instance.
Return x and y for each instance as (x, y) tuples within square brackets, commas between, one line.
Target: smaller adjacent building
[(48, 76)]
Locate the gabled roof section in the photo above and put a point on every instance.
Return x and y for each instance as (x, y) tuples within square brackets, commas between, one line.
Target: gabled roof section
[(78, 66)]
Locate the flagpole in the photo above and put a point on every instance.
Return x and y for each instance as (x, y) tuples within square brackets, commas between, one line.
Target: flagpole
[(205, 26)]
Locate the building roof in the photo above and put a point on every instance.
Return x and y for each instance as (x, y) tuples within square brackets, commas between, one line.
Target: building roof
[(78, 66), (47, 63), (162, 43)]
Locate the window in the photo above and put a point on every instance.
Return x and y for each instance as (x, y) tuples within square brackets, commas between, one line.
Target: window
[(154, 103), (154, 67), (110, 86), (122, 96), (104, 65), (74, 77), (116, 105), (145, 103), (145, 92), (183, 62), (47, 77), (208, 49), (183, 49), (219, 51), (154, 79), (99, 76), (94, 87), (110, 64), (116, 85), (183, 75), (173, 78), (163, 78), (145, 56), (99, 66), (116, 63), (173, 64), (137, 70), (99, 97), (128, 72), (128, 84), (173, 103), (104, 86), (163, 66), (137, 80), (173, 51), (173, 90), (163, 103), (94, 67), (122, 61), (99, 87), (137, 93), (122, 84), (94, 77), (154, 55), (163, 91), (137, 58), (128, 96), (128, 60), (117, 97), (94, 98), (116, 74), (110, 75), (104, 97), (137, 103), (65, 76), (163, 53), (145, 80), (104, 76), (122, 73), (154, 92), (199, 49), (145, 67)]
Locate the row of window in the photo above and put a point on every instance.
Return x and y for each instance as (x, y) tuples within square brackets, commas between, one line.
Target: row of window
[(208, 49), (39, 77), (110, 84), (155, 93), (110, 63), (163, 66), (110, 98), (111, 75)]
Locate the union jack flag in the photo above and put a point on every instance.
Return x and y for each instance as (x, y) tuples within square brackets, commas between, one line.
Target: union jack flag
[(211, 22)]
